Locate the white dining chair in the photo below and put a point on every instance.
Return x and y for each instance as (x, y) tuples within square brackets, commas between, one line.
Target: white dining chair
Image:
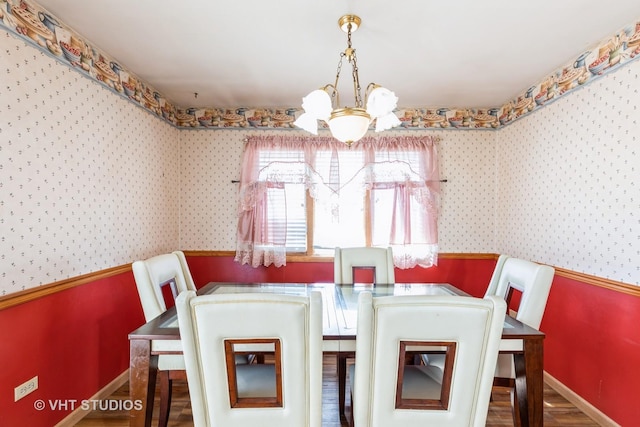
[(347, 259), (216, 328), (159, 277), (153, 276), (388, 391), (529, 279), (531, 282)]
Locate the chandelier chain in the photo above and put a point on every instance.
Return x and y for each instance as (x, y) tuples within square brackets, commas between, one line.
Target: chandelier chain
[(350, 53), (356, 81), (335, 94)]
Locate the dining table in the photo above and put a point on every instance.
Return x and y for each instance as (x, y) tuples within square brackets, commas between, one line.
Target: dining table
[(161, 335)]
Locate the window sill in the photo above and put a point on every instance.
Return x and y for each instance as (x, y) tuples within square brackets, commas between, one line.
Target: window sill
[(310, 258)]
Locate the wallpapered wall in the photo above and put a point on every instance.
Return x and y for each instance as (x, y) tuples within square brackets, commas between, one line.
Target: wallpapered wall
[(87, 181), (211, 160), (569, 181), (560, 186)]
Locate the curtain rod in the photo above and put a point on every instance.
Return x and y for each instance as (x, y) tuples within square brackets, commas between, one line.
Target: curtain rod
[(436, 138), (236, 181)]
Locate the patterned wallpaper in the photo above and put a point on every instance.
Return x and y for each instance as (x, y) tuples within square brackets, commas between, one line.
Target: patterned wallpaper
[(87, 180), (466, 221), (211, 160), (569, 181)]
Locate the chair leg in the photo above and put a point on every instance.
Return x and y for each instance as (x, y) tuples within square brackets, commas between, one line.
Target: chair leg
[(165, 398), (351, 422)]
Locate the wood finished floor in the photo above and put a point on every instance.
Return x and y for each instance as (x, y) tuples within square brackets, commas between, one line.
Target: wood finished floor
[(557, 410)]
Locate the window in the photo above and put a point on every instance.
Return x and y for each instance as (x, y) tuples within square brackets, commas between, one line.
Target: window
[(339, 218), (309, 195)]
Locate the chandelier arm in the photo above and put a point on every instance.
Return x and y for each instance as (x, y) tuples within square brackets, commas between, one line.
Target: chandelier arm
[(367, 92), (327, 87), (334, 95)]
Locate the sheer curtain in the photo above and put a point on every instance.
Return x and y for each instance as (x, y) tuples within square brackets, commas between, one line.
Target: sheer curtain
[(400, 174)]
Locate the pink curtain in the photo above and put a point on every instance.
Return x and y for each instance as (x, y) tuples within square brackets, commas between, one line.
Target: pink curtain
[(261, 241), (402, 171)]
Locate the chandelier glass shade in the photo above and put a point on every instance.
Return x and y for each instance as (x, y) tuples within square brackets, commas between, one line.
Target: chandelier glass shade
[(349, 124)]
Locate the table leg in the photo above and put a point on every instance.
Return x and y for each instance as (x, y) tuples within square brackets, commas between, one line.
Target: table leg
[(530, 383), (143, 368), (342, 381)]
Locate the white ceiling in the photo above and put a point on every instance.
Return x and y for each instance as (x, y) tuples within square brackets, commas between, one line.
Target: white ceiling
[(262, 54)]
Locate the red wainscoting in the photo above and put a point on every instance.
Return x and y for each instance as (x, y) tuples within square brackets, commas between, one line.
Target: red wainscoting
[(593, 346), (75, 341)]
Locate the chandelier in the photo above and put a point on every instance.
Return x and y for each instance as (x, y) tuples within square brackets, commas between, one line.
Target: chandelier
[(349, 124)]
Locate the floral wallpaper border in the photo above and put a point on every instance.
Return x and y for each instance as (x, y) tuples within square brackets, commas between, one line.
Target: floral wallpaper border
[(46, 32)]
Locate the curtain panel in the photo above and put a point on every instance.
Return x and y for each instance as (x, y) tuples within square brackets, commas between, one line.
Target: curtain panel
[(401, 174)]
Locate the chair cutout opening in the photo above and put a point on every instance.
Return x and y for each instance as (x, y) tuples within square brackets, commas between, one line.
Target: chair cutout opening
[(362, 274), (418, 387), (254, 385), (513, 298), (169, 291)]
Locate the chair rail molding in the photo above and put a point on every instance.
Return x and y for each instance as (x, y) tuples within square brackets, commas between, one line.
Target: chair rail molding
[(27, 295)]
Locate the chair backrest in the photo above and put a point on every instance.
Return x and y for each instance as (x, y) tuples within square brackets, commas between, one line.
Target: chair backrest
[(214, 328), (154, 273), (387, 392), (346, 259), (532, 280), (495, 277)]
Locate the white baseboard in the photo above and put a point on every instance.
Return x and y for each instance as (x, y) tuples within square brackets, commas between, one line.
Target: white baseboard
[(79, 413), (590, 410)]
